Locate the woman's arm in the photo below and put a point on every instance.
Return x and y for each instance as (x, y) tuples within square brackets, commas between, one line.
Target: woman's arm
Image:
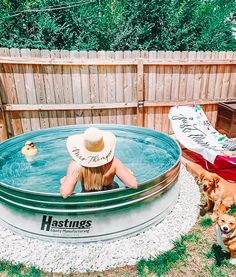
[(68, 183), (125, 175)]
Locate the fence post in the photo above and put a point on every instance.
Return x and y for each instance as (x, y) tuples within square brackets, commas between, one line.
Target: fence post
[(140, 93), (3, 126)]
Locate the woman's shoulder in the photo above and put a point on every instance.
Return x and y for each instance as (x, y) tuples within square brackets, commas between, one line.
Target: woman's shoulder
[(117, 164), (116, 161), (74, 165)]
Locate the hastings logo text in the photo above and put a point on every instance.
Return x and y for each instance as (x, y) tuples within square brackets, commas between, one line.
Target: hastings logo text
[(66, 225)]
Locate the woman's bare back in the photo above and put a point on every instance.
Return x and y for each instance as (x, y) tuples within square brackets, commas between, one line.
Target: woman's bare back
[(114, 168)]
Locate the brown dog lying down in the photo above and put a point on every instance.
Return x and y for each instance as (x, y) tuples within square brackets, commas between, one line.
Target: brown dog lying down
[(226, 232), (218, 190)]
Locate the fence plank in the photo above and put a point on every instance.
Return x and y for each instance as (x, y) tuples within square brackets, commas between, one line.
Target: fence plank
[(66, 107), (232, 81), (20, 90), (165, 120), (76, 88), (192, 78), (168, 76), (119, 87), (158, 119), (94, 96), (160, 78), (226, 77), (198, 83), (128, 88), (102, 79), (3, 96), (168, 87), (11, 96), (30, 90), (95, 106), (72, 62), (49, 88), (183, 78), (203, 94), (220, 76), (145, 55), (84, 71), (67, 88), (135, 55), (152, 76), (3, 124), (214, 109), (58, 88), (175, 78), (40, 90), (212, 78), (111, 87), (159, 96), (140, 94)]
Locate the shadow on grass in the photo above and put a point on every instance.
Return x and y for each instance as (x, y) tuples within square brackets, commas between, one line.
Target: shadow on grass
[(220, 256)]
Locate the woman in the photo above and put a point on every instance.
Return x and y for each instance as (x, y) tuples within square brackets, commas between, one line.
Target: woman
[(94, 164)]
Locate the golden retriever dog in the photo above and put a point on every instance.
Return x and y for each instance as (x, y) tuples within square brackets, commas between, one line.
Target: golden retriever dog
[(218, 191), (226, 232)]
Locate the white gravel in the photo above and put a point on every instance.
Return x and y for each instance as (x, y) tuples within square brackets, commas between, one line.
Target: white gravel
[(66, 258)]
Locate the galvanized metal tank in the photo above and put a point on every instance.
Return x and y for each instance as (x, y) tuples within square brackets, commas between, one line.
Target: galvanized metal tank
[(33, 211)]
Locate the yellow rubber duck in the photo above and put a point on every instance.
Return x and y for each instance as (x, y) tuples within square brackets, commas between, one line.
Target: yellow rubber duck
[(29, 151)]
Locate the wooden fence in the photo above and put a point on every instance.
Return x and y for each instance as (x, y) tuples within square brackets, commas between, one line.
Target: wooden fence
[(41, 89)]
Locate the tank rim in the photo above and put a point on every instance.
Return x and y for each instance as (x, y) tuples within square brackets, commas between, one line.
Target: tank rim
[(84, 126)]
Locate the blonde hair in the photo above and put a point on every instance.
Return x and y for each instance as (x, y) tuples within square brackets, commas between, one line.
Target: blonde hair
[(92, 178)]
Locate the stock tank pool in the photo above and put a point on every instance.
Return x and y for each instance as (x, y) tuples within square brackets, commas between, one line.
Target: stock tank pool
[(31, 203)]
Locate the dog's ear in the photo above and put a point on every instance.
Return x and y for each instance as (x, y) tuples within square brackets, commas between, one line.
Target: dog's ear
[(216, 179), (222, 209), (234, 215), (201, 176)]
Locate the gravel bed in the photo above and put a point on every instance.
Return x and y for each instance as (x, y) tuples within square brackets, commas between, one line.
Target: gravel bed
[(66, 258)]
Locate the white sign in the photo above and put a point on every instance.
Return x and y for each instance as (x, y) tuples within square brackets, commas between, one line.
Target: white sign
[(195, 132)]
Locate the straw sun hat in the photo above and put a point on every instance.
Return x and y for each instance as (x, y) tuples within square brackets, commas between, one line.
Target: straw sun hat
[(92, 148)]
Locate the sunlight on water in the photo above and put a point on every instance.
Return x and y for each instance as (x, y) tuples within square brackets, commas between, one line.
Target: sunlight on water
[(147, 156)]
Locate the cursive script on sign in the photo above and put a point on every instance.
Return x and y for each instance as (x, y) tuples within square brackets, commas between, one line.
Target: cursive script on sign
[(91, 158), (194, 133)]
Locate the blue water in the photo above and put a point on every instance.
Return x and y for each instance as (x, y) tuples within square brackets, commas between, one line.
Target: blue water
[(146, 155)]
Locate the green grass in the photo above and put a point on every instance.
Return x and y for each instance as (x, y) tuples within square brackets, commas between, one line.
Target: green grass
[(205, 222), (19, 270), (163, 263), (232, 210), (15, 269), (215, 271)]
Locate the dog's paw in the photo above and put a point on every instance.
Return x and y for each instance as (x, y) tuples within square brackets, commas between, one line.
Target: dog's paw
[(232, 261)]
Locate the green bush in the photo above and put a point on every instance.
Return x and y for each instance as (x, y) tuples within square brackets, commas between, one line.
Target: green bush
[(118, 24)]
